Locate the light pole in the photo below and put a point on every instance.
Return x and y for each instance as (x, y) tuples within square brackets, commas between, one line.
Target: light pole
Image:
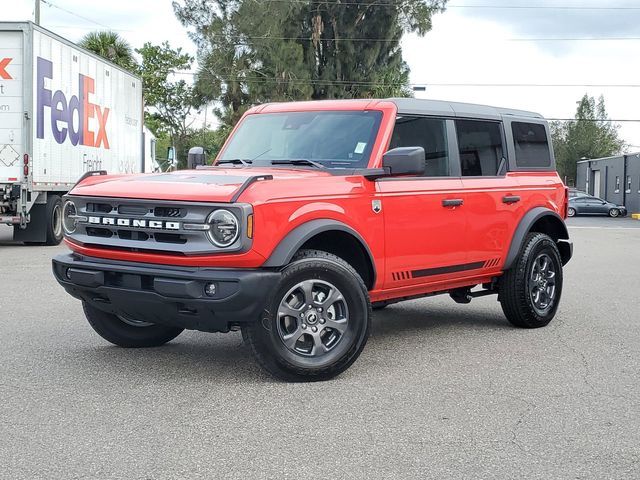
[(37, 12)]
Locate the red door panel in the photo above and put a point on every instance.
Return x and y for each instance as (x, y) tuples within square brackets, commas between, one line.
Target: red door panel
[(424, 240), (493, 206)]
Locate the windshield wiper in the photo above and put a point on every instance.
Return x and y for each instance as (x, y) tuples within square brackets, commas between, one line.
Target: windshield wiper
[(298, 161), (235, 161)]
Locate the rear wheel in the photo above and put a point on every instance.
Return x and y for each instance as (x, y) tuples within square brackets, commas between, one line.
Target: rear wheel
[(318, 321), (128, 332), (614, 212), (54, 220), (530, 290)]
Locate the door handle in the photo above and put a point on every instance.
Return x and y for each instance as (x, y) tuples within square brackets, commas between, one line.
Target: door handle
[(510, 199), (453, 202)]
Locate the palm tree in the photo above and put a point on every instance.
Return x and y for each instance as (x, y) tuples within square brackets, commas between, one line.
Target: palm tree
[(111, 46)]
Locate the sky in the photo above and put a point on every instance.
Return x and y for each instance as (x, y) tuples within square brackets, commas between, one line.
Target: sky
[(471, 43)]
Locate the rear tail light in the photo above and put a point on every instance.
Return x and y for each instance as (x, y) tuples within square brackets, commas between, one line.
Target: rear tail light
[(25, 160)]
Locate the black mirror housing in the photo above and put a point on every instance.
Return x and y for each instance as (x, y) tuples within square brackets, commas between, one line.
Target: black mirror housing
[(404, 161)]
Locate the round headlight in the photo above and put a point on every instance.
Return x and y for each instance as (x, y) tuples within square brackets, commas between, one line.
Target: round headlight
[(69, 217), (224, 229)]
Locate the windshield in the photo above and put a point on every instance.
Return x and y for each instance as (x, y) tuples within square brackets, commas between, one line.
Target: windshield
[(334, 139)]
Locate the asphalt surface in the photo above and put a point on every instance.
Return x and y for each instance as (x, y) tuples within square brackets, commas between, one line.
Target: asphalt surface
[(442, 391)]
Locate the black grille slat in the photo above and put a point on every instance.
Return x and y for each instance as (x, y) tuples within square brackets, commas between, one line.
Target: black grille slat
[(138, 210), (99, 207), (99, 232), (170, 238), (133, 235), (168, 212)]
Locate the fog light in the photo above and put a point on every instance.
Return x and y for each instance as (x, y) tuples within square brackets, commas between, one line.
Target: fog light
[(210, 289)]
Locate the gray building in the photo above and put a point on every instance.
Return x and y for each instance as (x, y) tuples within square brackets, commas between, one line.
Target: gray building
[(615, 179)]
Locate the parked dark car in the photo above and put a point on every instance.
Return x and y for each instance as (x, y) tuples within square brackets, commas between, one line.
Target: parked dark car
[(573, 192), (588, 205)]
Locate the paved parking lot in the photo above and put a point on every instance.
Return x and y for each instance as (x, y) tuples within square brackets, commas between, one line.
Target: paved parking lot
[(441, 391)]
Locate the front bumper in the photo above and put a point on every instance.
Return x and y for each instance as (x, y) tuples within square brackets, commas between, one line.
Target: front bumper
[(168, 295)]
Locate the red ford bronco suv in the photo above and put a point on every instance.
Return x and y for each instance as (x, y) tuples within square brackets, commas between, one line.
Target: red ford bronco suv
[(313, 214)]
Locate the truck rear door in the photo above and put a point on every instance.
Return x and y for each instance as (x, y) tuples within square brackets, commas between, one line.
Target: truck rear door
[(11, 106)]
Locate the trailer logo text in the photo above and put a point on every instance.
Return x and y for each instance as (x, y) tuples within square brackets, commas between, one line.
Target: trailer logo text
[(4, 63), (63, 111)]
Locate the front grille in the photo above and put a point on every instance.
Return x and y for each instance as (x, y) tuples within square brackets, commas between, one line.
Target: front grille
[(150, 226)]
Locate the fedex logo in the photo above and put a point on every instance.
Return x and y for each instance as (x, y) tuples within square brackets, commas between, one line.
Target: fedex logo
[(63, 110), (4, 63)]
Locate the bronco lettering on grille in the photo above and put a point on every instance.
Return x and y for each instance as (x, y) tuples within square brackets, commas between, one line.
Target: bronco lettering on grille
[(134, 223)]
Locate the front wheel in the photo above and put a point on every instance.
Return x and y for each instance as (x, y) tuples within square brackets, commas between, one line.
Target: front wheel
[(614, 212), (318, 320), (128, 332), (530, 290), (571, 212)]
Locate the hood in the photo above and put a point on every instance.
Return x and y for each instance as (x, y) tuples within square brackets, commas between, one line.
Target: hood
[(205, 185)]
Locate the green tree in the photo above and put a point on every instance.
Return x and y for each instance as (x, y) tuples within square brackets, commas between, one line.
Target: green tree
[(590, 135), (253, 51), (111, 46), (168, 101)]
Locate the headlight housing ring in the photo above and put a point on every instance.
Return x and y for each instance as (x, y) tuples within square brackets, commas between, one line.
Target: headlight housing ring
[(224, 228)]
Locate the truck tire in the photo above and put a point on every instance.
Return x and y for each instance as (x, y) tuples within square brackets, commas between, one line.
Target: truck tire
[(128, 333), (54, 220), (317, 323), (529, 292)]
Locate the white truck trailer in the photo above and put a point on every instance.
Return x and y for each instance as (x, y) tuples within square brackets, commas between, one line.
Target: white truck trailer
[(64, 113)]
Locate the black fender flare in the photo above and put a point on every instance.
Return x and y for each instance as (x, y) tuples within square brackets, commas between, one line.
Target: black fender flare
[(524, 227), (297, 237)]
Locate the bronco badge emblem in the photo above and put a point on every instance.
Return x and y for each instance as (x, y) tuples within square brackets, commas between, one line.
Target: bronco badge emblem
[(376, 205)]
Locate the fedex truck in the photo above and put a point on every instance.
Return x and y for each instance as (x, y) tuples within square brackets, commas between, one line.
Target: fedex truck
[(64, 113)]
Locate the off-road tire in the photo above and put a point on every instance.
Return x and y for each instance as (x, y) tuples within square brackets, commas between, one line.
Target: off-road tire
[(514, 294), (268, 348), (116, 331)]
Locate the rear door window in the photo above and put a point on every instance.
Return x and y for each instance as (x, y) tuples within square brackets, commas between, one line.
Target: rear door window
[(481, 148), (531, 144)]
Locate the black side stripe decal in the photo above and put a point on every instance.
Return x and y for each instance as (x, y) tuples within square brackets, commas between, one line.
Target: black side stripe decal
[(427, 272)]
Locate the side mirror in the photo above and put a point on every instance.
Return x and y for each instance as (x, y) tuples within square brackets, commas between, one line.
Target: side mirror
[(405, 161)]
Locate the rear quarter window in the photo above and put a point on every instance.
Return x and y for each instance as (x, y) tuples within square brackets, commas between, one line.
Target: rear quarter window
[(531, 145)]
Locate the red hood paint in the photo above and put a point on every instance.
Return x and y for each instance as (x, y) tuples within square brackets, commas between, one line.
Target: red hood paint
[(205, 185)]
